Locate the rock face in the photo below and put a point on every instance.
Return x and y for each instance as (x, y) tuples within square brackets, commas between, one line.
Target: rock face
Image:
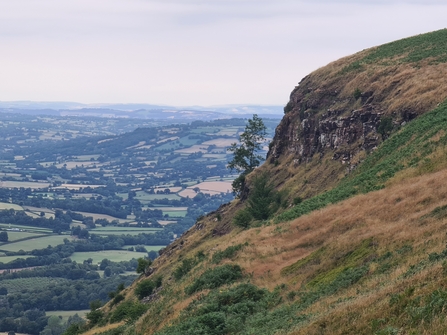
[(306, 131)]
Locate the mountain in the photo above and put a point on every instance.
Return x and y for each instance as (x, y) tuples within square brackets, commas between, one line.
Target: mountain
[(355, 241), (141, 111)]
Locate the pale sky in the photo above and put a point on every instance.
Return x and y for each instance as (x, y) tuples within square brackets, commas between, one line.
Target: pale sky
[(189, 52)]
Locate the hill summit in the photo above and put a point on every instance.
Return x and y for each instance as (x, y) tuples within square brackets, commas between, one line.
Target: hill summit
[(356, 240)]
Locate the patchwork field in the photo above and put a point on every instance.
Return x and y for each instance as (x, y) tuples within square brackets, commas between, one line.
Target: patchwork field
[(103, 216), (35, 243), (214, 186), (26, 228), (20, 235), (66, 314), (24, 184), (115, 255), (5, 205)]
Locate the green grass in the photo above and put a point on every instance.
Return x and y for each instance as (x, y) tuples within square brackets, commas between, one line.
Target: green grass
[(145, 197), (113, 255), (408, 148), (132, 233), (125, 229), (27, 228), (148, 247), (35, 243), (409, 50), (175, 213), (19, 235), (6, 205)]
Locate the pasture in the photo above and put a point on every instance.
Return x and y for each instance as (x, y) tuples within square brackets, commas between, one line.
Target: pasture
[(148, 247), (102, 216), (214, 186), (189, 192), (146, 197), (220, 142), (20, 235), (193, 149), (175, 213), (35, 243), (123, 230), (26, 228), (6, 205), (113, 255), (24, 184), (66, 314)]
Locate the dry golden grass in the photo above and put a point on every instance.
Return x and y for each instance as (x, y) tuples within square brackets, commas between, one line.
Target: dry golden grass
[(390, 218)]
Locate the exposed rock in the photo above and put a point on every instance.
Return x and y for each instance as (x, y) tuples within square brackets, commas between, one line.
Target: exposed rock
[(304, 132)]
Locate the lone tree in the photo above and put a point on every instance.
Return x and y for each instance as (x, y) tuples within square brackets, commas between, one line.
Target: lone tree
[(245, 154)]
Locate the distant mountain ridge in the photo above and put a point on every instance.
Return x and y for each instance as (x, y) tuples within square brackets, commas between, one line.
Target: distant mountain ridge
[(142, 111)]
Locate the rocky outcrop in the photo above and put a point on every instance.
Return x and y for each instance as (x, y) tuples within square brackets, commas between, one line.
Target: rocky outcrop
[(305, 132)]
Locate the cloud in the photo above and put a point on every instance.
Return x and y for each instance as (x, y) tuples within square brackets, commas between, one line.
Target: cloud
[(189, 51)]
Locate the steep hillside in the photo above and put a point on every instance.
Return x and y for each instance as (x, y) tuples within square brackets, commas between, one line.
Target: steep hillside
[(359, 243)]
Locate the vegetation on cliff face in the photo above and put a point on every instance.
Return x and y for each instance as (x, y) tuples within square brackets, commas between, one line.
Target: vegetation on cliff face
[(371, 260)]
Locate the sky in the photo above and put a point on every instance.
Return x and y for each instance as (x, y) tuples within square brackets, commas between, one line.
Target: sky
[(189, 52)]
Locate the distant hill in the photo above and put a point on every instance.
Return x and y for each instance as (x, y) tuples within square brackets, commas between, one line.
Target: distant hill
[(142, 111), (355, 242)]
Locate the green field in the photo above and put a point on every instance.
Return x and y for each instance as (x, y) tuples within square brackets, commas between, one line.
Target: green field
[(66, 314), (35, 243), (123, 230), (24, 184), (148, 247), (19, 235), (113, 255), (175, 213), (145, 197), (6, 205), (27, 228)]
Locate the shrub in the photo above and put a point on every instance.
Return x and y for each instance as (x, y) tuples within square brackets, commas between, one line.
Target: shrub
[(385, 126), (143, 264), (243, 218), (128, 311), (118, 298), (95, 315), (184, 268), (144, 288), (262, 198), (229, 252), (357, 93), (216, 277)]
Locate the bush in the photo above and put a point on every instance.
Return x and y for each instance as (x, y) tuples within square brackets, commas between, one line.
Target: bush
[(95, 315), (184, 268), (144, 288), (118, 298), (243, 218), (229, 252), (262, 198), (128, 311), (213, 278)]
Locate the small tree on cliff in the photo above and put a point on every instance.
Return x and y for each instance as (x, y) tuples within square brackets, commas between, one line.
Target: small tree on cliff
[(245, 154)]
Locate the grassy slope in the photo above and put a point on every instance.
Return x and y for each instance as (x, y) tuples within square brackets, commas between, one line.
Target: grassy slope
[(369, 261)]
